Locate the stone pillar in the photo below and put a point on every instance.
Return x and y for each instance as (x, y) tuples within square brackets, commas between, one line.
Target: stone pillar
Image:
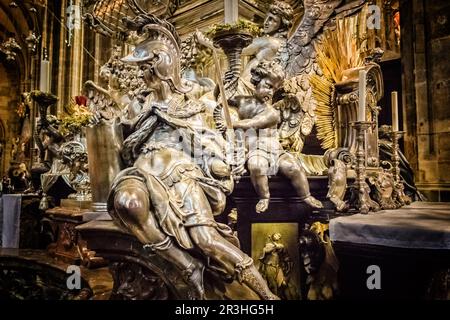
[(426, 80), (70, 53), (77, 46)]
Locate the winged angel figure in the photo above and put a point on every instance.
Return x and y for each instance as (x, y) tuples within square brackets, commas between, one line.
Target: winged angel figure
[(322, 70), (296, 99), (298, 59)]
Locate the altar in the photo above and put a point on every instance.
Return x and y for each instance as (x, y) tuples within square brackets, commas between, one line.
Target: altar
[(21, 222), (411, 246)]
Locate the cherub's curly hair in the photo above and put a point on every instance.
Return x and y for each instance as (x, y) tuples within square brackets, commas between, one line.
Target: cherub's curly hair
[(268, 69), (285, 12)]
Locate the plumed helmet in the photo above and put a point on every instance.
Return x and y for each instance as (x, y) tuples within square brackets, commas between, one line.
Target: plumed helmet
[(160, 48)]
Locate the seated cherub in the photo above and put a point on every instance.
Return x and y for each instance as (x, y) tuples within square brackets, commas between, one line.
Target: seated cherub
[(259, 119)]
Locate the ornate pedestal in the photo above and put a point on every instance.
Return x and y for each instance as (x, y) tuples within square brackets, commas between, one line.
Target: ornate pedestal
[(284, 207), (141, 275), (69, 245), (287, 216)]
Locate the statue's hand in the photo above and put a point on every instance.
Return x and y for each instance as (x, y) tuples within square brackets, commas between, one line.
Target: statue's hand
[(238, 168), (95, 119)]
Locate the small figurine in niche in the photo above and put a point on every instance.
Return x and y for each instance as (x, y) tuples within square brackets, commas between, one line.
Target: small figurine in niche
[(265, 153), (275, 267)]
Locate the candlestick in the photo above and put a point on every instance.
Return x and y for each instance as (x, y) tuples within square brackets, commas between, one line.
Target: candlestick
[(394, 105), (398, 194), (360, 198), (362, 96)]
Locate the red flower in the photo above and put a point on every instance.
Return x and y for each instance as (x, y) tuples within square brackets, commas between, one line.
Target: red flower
[(81, 100)]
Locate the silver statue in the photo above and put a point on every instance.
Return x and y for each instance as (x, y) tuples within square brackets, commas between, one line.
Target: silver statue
[(276, 26), (259, 117), (74, 156), (10, 47), (166, 197)]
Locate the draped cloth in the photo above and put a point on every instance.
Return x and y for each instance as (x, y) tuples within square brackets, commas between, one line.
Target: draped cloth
[(167, 205), (168, 210), (10, 208), (421, 225)]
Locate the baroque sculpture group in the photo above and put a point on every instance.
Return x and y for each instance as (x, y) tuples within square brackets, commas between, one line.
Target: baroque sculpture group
[(175, 145)]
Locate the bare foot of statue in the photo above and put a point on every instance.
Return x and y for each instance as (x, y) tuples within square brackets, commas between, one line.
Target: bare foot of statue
[(313, 202), (262, 205)]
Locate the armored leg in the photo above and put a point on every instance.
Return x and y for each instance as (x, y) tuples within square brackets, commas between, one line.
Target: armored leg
[(231, 259), (248, 274), (132, 210)]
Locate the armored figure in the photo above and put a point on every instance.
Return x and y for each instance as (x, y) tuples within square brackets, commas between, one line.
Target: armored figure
[(169, 194), (265, 154)]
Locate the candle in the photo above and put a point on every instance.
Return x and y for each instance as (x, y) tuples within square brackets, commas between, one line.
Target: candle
[(44, 79), (231, 11), (362, 96), (394, 106)]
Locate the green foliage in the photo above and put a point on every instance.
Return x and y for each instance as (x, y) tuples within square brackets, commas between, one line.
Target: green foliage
[(72, 124), (240, 26)]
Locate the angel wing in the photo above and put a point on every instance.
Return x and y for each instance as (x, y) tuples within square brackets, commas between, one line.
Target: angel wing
[(297, 113), (101, 103), (297, 56), (323, 57), (125, 83)]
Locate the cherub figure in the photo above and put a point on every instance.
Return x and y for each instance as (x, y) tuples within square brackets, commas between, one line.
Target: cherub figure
[(265, 154)]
